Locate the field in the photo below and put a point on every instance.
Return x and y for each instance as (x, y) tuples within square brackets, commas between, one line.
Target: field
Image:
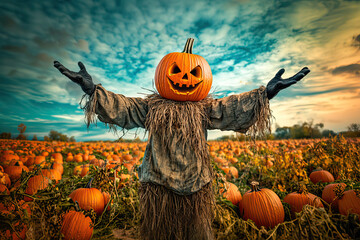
[(281, 166)]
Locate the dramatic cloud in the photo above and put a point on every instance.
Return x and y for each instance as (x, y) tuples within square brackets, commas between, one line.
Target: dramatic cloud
[(352, 68), (356, 41)]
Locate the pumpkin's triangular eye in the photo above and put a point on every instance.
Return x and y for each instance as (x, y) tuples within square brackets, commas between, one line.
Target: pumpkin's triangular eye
[(174, 69), (196, 72)]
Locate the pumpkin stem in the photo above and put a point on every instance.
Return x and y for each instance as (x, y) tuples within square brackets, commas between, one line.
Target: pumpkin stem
[(77, 208), (88, 185), (188, 46), (254, 186)]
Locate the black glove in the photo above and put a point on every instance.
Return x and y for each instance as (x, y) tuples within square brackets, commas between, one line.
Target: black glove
[(82, 77), (277, 83)]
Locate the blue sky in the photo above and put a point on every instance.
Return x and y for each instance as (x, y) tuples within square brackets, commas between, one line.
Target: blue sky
[(121, 43)]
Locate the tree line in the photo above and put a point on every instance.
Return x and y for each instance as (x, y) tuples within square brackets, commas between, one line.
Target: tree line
[(305, 130), (53, 135)]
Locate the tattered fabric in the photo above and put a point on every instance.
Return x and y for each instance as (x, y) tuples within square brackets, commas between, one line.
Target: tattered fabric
[(176, 156)]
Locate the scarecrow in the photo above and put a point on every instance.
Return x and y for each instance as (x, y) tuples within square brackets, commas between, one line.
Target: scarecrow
[(176, 198)]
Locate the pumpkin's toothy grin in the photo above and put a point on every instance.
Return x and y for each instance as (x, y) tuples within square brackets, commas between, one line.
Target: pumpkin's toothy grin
[(183, 88)]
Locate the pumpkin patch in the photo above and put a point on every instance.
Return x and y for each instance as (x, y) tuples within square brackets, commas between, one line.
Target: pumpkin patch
[(107, 175)]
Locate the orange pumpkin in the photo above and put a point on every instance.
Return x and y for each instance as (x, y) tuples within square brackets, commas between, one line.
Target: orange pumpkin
[(329, 193), (297, 200), (349, 203), (5, 179), (183, 76), (35, 184), (78, 169), (85, 169), (89, 198), (15, 171), (262, 206), (58, 158), (59, 167), (321, 175), (76, 226), (40, 160), (52, 174), (4, 189), (232, 193), (232, 173)]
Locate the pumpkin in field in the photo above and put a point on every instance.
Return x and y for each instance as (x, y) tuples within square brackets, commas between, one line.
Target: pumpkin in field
[(183, 76), (350, 202), (231, 193), (262, 206), (5, 179), (76, 226), (36, 183), (85, 169), (89, 198), (332, 193), (6, 158), (4, 189), (232, 173), (321, 175), (15, 171), (58, 166), (78, 169), (51, 173), (297, 200), (58, 158), (40, 160)]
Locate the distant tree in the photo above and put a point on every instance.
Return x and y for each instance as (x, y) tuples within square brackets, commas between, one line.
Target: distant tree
[(57, 136), (135, 140), (35, 138), (5, 135), (226, 138), (282, 133), (243, 137), (300, 131), (21, 128), (46, 138), (328, 133), (353, 130), (354, 127)]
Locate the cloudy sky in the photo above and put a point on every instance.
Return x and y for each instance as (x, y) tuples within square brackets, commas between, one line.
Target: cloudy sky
[(121, 43)]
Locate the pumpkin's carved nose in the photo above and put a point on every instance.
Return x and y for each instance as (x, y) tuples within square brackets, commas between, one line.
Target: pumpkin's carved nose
[(185, 76)]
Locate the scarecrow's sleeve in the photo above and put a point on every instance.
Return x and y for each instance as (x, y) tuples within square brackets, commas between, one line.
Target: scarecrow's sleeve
[(115, 109), (244, 112)]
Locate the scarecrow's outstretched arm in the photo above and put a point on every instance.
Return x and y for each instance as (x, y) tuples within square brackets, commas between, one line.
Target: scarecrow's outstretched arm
[(250, 110), (110, 108), (241, 111), (277, 83), (82, 77)]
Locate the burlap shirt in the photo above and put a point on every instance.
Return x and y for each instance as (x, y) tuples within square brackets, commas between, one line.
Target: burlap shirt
[(173, 167)]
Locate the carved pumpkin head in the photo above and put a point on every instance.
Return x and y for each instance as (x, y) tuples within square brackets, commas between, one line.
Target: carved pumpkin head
[(183, 76)]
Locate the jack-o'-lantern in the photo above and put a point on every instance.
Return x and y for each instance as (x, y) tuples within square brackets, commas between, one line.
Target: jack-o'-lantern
[(183, 76)]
